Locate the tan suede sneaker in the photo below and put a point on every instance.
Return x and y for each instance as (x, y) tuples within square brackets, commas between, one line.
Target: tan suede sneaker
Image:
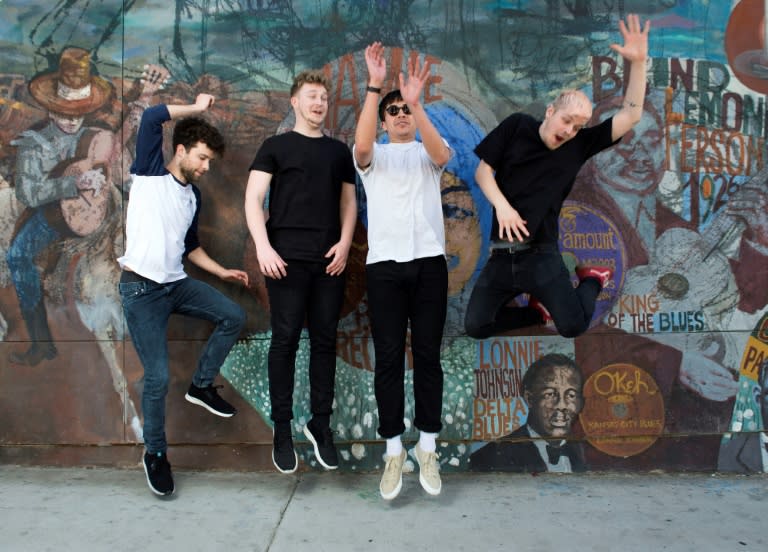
[(392, 480), (429, 470)]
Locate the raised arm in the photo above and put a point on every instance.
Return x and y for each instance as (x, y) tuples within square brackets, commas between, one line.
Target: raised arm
[(410, 90), (202, 103), (365, 133), (635, 50)]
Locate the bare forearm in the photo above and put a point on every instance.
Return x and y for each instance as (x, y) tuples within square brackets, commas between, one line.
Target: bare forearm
[(365, 133), (490, 188), (430, 137), (348, 212), (200, 258)]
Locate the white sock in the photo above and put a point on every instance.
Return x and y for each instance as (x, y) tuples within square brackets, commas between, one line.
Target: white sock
[(394, 446), (427, 441)]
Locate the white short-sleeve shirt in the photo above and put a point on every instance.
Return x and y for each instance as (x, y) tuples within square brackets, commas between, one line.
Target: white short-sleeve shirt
[(405, 211)]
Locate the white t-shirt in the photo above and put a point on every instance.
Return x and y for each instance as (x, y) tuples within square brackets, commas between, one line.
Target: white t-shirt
[(160, 211), (405, 211)]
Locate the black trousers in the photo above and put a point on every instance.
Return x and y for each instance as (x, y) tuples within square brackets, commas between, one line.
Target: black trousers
[(307, 292), (541, 272), (415, 291)]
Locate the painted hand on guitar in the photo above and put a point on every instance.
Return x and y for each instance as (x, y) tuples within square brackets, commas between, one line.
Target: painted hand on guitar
[(92, 180), (750, 205)]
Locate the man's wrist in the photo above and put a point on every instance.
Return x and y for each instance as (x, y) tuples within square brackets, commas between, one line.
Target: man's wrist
[(374, 89)]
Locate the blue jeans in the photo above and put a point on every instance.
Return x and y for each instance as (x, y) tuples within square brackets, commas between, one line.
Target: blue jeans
[(31, 239), (306, 292), (148, 306), (398, 292), (541, 272)]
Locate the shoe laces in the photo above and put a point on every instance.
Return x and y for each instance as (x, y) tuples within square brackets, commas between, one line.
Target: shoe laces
[(391, 462), (430, 464)]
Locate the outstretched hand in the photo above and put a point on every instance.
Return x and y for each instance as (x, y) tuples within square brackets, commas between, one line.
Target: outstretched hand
[(410, 88), (635, 36), (377, 66)]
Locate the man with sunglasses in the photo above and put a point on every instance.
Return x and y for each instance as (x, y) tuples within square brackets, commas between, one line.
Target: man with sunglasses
[(527, 168), (406, 270)]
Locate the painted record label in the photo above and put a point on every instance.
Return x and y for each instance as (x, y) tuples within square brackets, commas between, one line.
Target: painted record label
[(623, 411)]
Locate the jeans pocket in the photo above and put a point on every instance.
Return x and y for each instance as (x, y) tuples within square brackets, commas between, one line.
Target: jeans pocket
[(130, 291)]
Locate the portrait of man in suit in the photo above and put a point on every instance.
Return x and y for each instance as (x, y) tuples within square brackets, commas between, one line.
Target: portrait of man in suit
[(553, 390), (747, 452)]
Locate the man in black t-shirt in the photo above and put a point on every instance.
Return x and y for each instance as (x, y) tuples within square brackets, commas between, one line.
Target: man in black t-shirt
[(302, 251), (527, 168)]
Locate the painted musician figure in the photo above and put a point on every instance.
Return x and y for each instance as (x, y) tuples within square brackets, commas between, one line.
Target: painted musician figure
[(62, 171), (527, 169)]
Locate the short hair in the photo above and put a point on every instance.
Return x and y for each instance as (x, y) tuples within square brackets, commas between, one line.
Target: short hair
[(390, 98), (310, 77), (191, 130), (536, 370), (569, 97)]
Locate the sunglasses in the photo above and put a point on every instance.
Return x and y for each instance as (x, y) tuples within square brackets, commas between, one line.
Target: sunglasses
[(395, 109)]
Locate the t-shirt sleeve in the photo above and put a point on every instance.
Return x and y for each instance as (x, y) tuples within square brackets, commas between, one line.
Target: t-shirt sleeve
[(149, 142), (348, 166), (491, 148), (599, 137), (191, 240), (265, 159)]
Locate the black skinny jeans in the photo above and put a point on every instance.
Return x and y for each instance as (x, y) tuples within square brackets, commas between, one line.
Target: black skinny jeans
[(306, 292), (541, 272), (398, 292)]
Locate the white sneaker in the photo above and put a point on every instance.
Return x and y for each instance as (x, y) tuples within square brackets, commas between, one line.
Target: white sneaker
[(429, 470), (392, 480)]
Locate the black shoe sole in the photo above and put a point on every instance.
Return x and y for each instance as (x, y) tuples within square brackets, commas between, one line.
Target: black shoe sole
[(198, 402)]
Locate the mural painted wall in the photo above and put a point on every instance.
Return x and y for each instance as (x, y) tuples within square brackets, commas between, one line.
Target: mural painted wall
[(672, 373)]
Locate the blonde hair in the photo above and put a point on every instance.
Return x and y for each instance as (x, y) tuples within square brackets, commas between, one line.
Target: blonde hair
[(572, 97), (310, 77)]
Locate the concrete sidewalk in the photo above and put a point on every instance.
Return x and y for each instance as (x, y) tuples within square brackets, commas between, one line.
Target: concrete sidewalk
[(113, 510)]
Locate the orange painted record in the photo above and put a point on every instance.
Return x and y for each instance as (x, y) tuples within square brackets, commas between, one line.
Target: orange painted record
[(623, 411)]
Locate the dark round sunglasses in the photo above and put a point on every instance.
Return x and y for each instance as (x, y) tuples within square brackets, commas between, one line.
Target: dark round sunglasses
[(395, 109)]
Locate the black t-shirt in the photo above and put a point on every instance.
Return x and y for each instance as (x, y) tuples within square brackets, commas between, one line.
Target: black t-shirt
[(304, 193), (534, 179)]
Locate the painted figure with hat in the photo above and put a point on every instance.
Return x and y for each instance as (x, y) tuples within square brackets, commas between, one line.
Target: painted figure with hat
[(62, 170)]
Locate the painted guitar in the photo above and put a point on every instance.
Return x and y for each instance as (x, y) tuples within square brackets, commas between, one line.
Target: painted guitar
[(94, 160)]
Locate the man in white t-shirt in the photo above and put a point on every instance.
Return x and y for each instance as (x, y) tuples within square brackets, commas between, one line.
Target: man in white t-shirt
[(406, 270), (161, 229)]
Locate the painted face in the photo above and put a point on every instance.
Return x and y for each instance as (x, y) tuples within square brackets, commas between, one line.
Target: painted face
[(66, 123), (554, 401), (463, 234), (398, 122), (636, 164), (310, 105), (195, 162), (562, 124)]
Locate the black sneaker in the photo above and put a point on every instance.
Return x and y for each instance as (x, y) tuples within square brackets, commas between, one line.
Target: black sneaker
[(159, 476), (322, 439), (283, 455), (208, 398)]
